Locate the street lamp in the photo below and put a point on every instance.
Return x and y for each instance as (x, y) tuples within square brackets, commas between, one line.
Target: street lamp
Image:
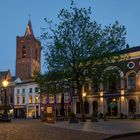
[(5, 84), (84, 95)]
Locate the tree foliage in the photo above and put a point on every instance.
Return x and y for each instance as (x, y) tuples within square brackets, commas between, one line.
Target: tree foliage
[(79, 48)]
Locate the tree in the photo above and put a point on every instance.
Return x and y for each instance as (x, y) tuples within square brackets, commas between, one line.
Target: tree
[(80, 48), (41, 80), (62, 110), (50, 83)]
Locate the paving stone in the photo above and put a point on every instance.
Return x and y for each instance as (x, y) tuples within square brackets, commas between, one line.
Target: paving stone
[(36, 130)]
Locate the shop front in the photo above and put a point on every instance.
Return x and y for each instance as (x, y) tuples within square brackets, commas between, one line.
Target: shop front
[(20, 111), (33, 111)]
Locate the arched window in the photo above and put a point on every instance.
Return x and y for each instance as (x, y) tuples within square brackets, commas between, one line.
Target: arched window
[(95, 85), (111, 80), (132, 106), (78, 107), (132, 81), (86, 107), (95, 108), (24, 53)]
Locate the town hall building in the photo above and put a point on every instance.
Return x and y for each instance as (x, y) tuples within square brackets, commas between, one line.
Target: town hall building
[(117, 94)]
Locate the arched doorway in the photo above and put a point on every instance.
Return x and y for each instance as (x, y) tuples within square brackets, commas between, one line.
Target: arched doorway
[(112, 107), (86, 107), (132, 106), (95, 108)]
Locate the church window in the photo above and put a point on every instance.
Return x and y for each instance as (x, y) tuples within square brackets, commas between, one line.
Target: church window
[(24, 51)]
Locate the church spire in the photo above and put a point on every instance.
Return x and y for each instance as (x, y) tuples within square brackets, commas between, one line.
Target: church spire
[(29, 31)]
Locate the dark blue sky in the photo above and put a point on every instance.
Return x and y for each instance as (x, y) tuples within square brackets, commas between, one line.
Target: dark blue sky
[(14, 15)]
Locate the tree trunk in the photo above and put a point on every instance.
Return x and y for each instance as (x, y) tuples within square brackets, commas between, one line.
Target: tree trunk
[(79, 92), (62, 110)]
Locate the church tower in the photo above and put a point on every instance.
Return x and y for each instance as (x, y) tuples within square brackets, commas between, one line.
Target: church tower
[(28, 50)]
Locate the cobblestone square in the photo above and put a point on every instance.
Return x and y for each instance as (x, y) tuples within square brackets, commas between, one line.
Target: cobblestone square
[(29, 129)]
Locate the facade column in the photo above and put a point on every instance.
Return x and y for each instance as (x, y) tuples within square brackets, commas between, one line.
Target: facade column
[(137, 105), (126, 106), (101, 103), (39, 111), (27, 111), (90, 107), (137, 81), (74, 101), (122, 83), (35, 110), (105, 106), (18, 112), (101, 86)]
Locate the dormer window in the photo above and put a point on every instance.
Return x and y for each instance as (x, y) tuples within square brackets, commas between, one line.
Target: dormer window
[(24, 51)]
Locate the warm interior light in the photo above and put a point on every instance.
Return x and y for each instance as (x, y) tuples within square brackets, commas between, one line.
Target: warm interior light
[(5, 83), (101, 94), (122, 92), (114, 100), (84, 94), (122, 98), (101, 99)]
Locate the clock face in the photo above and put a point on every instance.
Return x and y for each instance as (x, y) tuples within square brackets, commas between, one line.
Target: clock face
[(131, 65)]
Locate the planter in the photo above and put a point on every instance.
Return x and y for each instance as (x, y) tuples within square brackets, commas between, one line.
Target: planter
[(5, 119), (73, 120), (50, 120), (94, 119)]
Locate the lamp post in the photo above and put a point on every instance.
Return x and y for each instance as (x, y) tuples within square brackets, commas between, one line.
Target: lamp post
[(84, 95), (121, 99), (5, 83)]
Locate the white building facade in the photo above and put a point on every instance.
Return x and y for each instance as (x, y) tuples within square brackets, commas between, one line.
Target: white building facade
[(117, 94), (26, 100)]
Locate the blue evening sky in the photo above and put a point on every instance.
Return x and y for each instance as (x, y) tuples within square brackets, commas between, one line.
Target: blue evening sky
[(14, 15)]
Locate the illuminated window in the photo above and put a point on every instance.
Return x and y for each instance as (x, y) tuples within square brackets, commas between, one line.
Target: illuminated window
[(30, 99), (51, 98), (36, 99)]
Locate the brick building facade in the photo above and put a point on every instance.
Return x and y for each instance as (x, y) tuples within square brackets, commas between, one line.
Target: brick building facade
[(28, 50)]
